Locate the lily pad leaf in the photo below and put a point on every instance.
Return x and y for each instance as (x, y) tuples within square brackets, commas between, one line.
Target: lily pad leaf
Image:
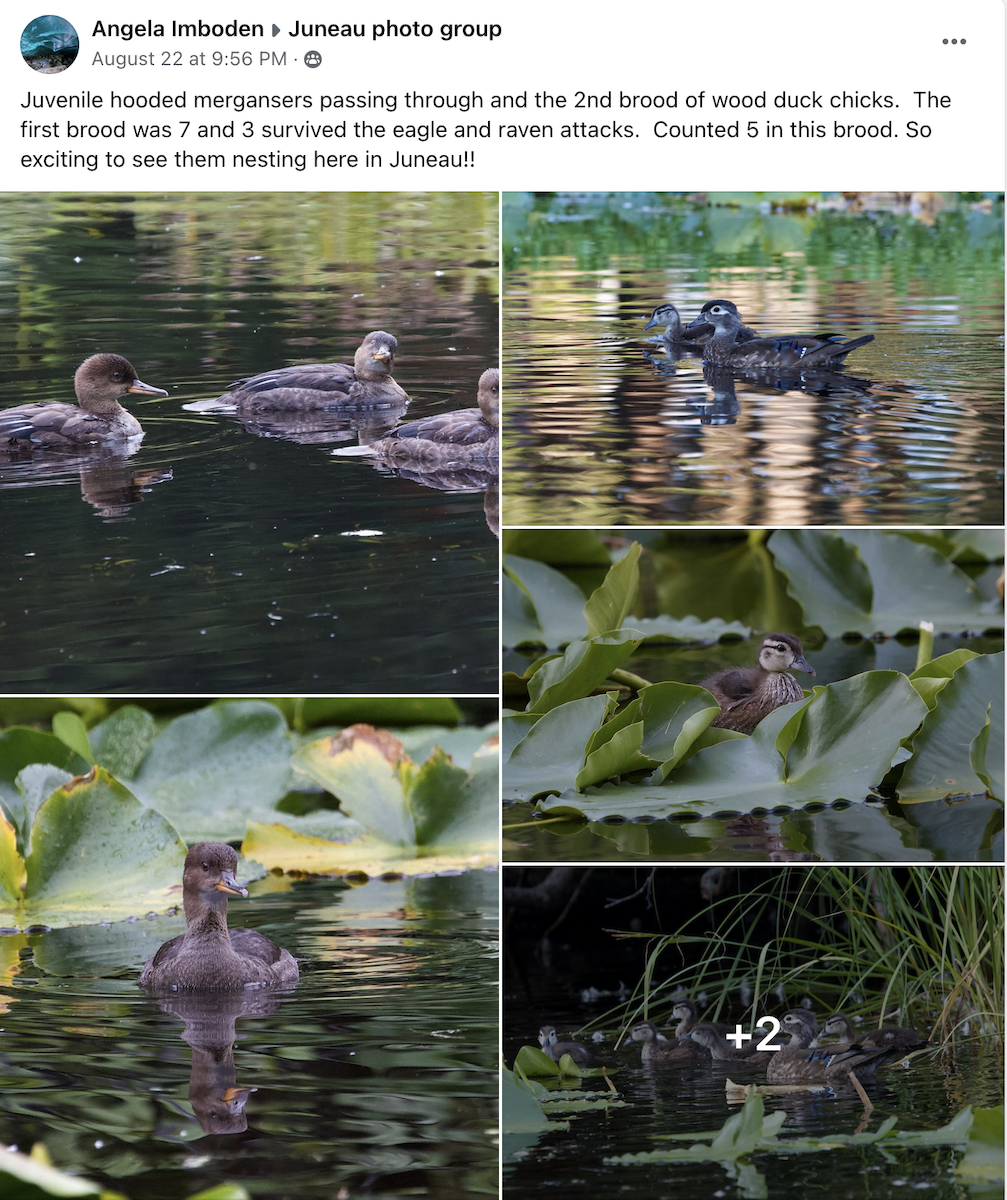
[(859, 582), (551, 755), (71, 730), (687, 629), (97, 854), (20, 748), (674, 716), (557, 604), (121, 743), (944, 760), (609, 603), (12, 876), (932, 676), (581, 668), (36, 784)]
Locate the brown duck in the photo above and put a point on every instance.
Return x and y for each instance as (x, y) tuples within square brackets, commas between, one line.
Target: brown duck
[(803, 1063), (209, 956), (747, 694), (807, 353), (658, 1050), (799, 1023), (465, 437), (366, 384), (694, 335), (549, 1041), (685, 1014), (96, 418), (893, 1035)]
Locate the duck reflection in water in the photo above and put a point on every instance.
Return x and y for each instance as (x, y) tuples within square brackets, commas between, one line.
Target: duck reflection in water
[(109, 482), (357, 425)]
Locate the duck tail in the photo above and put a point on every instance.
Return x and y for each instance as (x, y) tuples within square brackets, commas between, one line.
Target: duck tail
[(833, 353)]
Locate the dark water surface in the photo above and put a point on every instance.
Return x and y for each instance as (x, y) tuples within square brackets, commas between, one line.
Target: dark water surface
[(603, 429), (377, 1074), (691, 1099), (218, 556)]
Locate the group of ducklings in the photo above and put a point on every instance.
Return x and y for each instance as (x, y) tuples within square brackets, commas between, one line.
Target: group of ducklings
[(464, 437), (804, 1059), (724, 340)]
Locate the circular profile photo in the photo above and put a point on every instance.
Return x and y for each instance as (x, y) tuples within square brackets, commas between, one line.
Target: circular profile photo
[(49, 44)]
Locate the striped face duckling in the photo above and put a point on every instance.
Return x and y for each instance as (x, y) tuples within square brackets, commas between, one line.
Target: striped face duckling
[(368, 383), (465, 437), (96, 418), (548, 1039), (747, 694), (803, 1063), (893, 1035), (660, 1050), (208, 956)]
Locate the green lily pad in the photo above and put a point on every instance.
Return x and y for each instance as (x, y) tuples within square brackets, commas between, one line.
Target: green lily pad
[(858, 581), (551, 754), (929, 679), (121, 743), (560, 547), (20, 748), (548, 609), (609, 604), (581, 668)]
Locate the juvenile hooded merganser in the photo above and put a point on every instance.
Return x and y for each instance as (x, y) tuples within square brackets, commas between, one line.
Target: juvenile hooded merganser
[(367, 384), (97, 417), (747, 694), (208, 956), (464, 437)]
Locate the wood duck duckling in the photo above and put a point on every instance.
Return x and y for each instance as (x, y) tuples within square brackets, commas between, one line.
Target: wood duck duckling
[(660, 1050), (209, 956), (798, 1023), (685, 1014), (747, 694), (804, 1063), (896, 1036), (726, 349), (464, 437), (548, 1039), (692, 336), (97, 417), (366, 384)]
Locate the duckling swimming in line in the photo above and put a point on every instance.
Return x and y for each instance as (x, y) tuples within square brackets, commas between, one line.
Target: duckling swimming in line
[(208, 956), (747, 694), (367, 384), (466, 436), (97, 417)]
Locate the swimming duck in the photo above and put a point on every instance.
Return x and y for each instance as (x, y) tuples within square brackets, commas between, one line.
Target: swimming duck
[(97, 417), (697, 333), (747, 694), (726, 348), (367, 384), (465, 436), (799, 1023), (893, 1035), (660, 1050), (803, 1063), (550, 1043), (685, 1013), (209, 957)]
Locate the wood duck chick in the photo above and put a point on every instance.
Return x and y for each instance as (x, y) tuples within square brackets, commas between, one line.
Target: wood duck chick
[(209, 956), (726, 348), (685, 1014), (97, 417), (701, 329), (550, 1043), (747, 694), (805, 1063), (466, 437), (366, 384), (893, 1035), (658, 1050)]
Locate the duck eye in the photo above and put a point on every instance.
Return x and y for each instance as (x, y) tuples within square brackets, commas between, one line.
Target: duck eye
[(206, 866)]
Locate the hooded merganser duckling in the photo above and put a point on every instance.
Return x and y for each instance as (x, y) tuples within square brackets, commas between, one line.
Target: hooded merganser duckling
[(747, 694), (465, 436), (96, 417), (657, 1049), (727, 349), (367, 384), (800, 1062), (209, 957), (548, 1039), (892, 1035), (698, 332)]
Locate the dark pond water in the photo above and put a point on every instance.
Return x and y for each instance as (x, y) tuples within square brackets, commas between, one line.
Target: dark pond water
[(218, 556), (692, 1099), (602, 428), (376, 1075)]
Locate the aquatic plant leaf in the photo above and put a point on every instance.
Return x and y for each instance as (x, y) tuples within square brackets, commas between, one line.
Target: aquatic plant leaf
[(520, 1111), (581, 668), (457, 809), (463, 743), (932, 676), (18, 749), (513, 730), (121, 743), (307, 712), (551, 754), (530, 1060), (36, 783), (858, 581), (609, 603), (12, 874), (686, 629), (984, 1156), (72, 731), (560, 547), (942, 762), (674, 716), (279, 847), (212, 769), (556, 602), (25, 1178), (98, 854), (222, 1191), (618, 755), (844, 743), (367, 785)]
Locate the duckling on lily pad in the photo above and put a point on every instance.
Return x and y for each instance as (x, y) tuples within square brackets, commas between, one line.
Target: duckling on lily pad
[(747, 694)]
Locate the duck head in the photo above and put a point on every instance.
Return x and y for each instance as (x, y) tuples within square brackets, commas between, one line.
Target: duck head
[(489, 396), (722, 314), (101, 379), (644, 1031), (375, 356), (547, 1035), (667, 315), (208, 878), (783, 652), (801, 1025)]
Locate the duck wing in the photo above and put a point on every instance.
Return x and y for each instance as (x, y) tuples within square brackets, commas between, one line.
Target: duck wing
[(731, 685), (252, 944), (164, 955), (463, 427), (37, 422)]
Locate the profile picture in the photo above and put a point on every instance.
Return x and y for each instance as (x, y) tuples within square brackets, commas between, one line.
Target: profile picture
[(49, 44)]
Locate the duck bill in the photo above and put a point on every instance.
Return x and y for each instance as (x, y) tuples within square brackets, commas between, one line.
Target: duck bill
[(139, 388), (382, 355), (651, 323), (229, 885), (698, 323), (802, 664)]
